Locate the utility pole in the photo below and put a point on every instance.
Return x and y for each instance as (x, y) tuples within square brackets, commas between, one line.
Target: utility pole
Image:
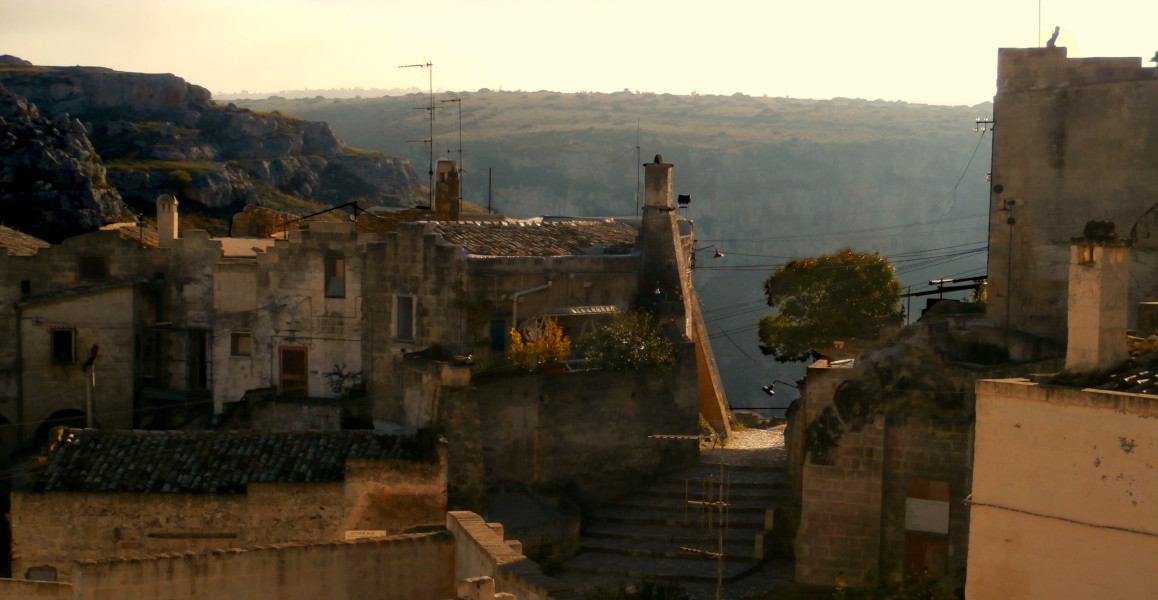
[(89, 370), (461, 168), (430, 140)]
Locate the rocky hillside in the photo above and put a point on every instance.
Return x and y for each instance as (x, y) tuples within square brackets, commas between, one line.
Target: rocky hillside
[(83, 146)]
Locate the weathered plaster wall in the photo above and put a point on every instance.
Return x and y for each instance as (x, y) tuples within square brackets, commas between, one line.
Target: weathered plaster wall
[(1073, 142), (295, 311), (23, 589), (57, 528), (106, 317), (550, 432), (1064, 493)]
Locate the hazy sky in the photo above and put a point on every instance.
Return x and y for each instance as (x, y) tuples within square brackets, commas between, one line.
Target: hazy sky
[(930, 51)]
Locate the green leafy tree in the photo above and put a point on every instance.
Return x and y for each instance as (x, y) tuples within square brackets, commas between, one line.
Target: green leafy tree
[(630, 341), (823, 298)]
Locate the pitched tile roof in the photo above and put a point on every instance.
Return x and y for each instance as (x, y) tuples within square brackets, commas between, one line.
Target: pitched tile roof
[(539, 237), (17, 243), (91, 460), (146, 236)]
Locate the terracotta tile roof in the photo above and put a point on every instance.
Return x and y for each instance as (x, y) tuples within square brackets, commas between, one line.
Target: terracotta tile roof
[(91, 460), (539, 237), (146, 236), (20, 244)]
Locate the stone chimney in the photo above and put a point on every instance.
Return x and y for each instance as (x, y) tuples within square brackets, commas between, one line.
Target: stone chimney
[(657, 185), (447, 200), (663, 267), (166, 220), (1099, 286)]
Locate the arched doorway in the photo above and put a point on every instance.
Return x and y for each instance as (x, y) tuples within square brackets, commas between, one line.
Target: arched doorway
[(69, 417)]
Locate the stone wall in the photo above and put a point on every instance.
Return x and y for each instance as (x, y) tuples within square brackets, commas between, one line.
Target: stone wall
[(480, 550), (55, 529), (1071, 145), (583, 434), (404, 566), (839, 534), (1063, 493)]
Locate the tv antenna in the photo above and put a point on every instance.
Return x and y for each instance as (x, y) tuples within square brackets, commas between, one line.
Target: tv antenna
[(461, 170), (638, 165), (430, 108)]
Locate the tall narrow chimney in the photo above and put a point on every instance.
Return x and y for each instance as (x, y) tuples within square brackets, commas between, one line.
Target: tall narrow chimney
[(447, 200), (657, 184), (1099, 286), (166, 220)]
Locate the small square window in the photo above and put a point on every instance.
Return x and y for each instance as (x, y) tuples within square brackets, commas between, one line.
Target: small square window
[(240, 343), (25, 287), (335, 276), (92, 268), (63, 347)]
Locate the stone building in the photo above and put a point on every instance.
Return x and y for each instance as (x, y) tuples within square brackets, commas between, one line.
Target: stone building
[(114, 494), (1073, 516), (1071, 143), (884, 449)]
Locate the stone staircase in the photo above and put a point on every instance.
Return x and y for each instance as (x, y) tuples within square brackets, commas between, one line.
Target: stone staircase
[(673, 528)]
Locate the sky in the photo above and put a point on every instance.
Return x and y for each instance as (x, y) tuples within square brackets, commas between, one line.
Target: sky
[(923, 51)]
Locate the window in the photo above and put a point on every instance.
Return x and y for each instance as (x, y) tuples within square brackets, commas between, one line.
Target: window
[(240, 343), (293, 374), (25, 287), (335, 276), (92, 268), (404, 317), (63, 347)]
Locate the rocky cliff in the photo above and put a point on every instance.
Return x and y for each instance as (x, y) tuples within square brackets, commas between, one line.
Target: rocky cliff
[(83, 146)]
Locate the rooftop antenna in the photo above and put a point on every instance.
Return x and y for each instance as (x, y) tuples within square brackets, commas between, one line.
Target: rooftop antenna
[(430, 140), (461, 170), (638, 166)]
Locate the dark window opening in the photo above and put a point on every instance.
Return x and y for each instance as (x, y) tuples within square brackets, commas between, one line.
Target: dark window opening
[(498, 335), (198, 360), (25, 287), (404, 317), (293, 372), (240, 343), (93, 268), (335, 276), (63, 347)]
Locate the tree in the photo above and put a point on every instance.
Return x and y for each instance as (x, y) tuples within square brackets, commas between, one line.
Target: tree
[(820, 299), (544, 342), (630, 341)]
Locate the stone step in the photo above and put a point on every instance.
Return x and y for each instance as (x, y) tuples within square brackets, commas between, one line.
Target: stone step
[(743, 519), (692, 502), (669, 534), (703, 548), (672, 569), (734, 477)]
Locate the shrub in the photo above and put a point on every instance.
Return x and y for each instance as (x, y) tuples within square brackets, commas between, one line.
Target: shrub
[(630, 341), (544, 342)]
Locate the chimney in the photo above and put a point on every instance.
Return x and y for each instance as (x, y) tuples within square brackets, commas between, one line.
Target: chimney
[(657, 184), (166, 220), (1099, 286), (447, 200)]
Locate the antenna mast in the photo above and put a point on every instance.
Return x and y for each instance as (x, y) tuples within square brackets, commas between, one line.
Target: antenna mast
[(430, 140), (638, 166), (461, 170)]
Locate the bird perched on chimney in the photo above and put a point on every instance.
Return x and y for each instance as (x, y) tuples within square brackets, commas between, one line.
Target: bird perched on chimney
[(1052, 43)]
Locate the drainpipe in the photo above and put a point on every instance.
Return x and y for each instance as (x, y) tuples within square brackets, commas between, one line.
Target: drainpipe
[(515, 301), (19, 377)]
